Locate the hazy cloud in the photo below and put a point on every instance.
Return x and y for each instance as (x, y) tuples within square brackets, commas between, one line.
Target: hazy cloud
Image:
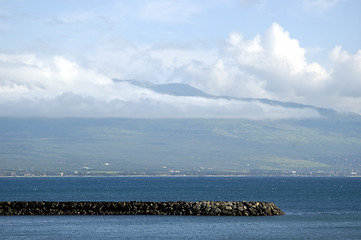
[(270, 65), (275, 66), (57, 87), (148, 106), (320, 5), (346, 72), (169, 11)]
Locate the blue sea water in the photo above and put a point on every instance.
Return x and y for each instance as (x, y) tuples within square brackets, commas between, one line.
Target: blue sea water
[(316, 208)]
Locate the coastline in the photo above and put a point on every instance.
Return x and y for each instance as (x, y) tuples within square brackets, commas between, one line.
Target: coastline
[(182, 176)]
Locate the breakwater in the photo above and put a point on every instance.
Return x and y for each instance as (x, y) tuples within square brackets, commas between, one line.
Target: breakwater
[(210, 208)]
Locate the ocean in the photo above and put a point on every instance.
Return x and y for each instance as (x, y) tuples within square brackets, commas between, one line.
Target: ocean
[(316, 208)]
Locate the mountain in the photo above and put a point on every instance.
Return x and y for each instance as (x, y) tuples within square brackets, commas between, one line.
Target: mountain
[(182, 89), (174, 89), (191, 146), (329, 145)]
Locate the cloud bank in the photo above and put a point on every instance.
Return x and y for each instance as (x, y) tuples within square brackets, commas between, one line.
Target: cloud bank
[(57, 87), (272, 65)]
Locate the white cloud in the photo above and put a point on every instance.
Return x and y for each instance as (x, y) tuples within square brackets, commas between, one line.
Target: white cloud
[(148, 106), (269, 66), (346, 72), (38, 78), (57, 87), (272, 65), (278, 60)]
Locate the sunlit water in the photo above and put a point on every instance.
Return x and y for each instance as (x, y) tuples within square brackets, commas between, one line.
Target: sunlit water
[(316, 208)]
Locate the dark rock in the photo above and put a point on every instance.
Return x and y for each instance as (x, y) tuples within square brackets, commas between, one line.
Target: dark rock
[(140, 208)]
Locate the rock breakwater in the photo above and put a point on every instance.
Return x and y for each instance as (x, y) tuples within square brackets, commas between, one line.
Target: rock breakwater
[(210, 208)]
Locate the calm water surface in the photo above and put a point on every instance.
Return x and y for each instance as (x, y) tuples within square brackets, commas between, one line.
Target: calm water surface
[(316, 208)]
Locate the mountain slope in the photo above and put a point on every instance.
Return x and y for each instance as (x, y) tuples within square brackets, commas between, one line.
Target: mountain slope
[(181, 89), (330, 143), (144, 145)]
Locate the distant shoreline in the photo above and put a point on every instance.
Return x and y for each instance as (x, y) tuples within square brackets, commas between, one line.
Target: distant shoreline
[(180, 176)]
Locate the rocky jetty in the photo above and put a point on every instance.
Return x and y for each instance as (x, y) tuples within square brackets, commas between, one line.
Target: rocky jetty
[(209, 208)]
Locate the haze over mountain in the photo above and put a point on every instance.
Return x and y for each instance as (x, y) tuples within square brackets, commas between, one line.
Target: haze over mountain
[(185, 90), (135, 99), (323, 142), (230, 85)]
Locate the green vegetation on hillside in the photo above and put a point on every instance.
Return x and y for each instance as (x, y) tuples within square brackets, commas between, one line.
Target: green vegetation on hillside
[(75, 144)]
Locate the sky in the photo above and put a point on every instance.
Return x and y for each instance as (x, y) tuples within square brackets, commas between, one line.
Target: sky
[(58, 58)]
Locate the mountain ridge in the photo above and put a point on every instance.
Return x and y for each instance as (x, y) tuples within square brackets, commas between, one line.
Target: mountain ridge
[(167, 146), (186, 90)]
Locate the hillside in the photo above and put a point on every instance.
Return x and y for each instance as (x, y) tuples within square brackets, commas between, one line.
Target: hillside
[(184, 145), (329, 143)]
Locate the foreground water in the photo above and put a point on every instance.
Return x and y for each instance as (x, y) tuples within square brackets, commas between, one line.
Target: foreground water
[(316, 208)]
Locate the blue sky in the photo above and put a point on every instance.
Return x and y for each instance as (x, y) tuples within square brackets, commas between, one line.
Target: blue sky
[(303, 51)]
